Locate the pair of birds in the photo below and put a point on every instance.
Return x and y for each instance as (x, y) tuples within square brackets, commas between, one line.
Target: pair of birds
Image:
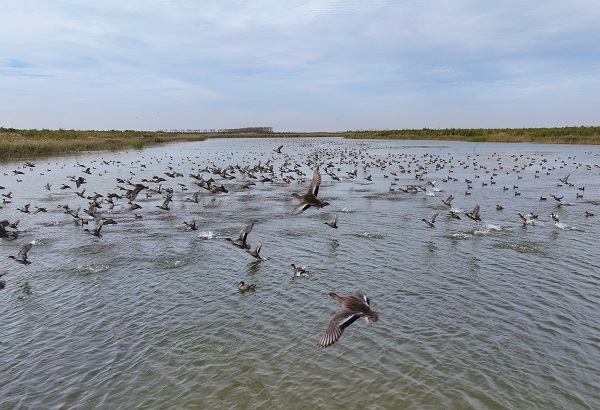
[(241, 242), (353, 306)]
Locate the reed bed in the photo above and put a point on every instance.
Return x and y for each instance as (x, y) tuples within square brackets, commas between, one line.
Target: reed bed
[(564, 135), (16, 144)]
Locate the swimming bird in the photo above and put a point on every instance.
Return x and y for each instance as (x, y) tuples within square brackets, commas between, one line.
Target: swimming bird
[(499, 207), (554, 217), (22, 255), (310, 198), (240, 242), (353, 307), (243, 287), (299, 271), (588, 213), (333, 223), (191, 225), (430, 222), (256, 252), (2, 282)]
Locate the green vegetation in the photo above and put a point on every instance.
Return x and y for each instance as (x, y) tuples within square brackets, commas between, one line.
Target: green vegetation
[(16, 144), (564, 135)]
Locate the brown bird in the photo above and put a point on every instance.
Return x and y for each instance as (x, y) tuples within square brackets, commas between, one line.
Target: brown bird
[(256, 252), (474, 214), (22, 255), (353, 307), (310, 198), (333, 223), (246, 286), (240, 242)]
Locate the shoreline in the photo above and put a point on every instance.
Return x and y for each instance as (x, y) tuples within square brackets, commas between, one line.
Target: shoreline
[(22, 144)]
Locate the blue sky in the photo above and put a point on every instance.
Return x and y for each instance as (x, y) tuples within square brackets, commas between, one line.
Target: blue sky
[(327, 65)]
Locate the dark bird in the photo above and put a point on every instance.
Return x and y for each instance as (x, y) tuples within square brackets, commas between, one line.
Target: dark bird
[(499, 207), (454, 215), (243, 287), (194, 197), (430, 222), (310, 198), (554, 217), (165, 205), (24, 208), (135, 191), (474, 214), (448, 201), (299, 271), (333, 223), (96, 230), (278, 149), (256, 252), (191, 225), (556, 198), (240, 242), (353, 307), (22, 255)]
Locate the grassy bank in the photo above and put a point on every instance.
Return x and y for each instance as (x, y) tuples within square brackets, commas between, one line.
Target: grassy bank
[(15, 144), (564, 135), (21, 144)]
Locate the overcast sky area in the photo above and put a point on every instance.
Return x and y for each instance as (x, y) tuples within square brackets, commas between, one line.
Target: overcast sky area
[(322, 65)]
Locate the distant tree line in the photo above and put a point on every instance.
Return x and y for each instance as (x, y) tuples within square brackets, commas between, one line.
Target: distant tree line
[(221, 130)]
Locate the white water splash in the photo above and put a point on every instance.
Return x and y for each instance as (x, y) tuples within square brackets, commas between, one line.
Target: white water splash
[(92, 268), (207, 235)]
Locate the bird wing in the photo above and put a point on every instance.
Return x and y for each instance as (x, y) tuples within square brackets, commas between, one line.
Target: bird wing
[(245, 231), (23, 252), (434, 216), (315, 183), (300, 208), (340, 321)]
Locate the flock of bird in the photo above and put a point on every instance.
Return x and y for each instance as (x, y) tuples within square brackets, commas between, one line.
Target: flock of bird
[(93, 218), (352, 306)]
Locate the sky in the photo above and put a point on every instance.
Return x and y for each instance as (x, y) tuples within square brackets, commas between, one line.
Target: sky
[(299, 65)]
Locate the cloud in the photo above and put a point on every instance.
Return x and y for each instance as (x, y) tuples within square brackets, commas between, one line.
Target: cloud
[(296, 65)]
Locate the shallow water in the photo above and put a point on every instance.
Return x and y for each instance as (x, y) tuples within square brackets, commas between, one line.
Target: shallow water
[(490, 314)]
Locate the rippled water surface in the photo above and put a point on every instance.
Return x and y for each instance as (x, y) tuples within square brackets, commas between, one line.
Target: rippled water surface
[(491, 314)]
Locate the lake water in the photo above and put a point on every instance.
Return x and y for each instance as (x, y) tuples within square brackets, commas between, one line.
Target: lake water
[(491, 314)]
